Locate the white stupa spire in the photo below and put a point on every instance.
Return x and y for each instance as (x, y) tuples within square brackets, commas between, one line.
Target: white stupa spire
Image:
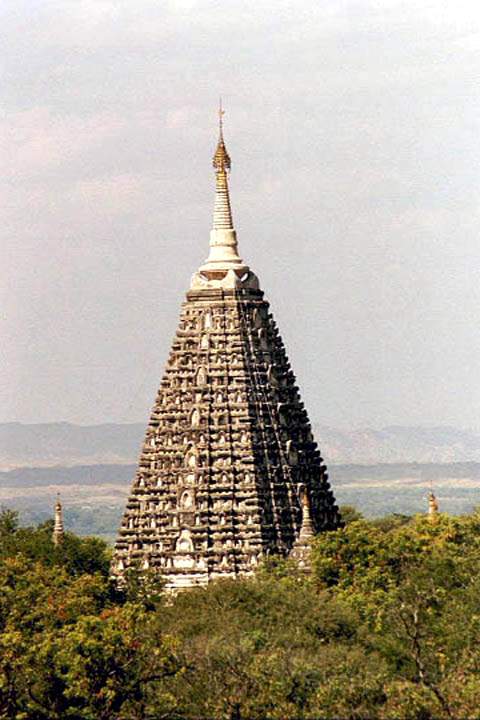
[(223, 238), (224, 267)]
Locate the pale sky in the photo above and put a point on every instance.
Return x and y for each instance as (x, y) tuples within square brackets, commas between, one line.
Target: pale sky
[(354, 132)]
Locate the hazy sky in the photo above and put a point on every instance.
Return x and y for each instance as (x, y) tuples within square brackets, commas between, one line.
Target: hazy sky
[(354, 132)]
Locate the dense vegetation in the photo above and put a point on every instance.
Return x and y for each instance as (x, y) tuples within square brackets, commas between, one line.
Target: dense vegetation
[(386, 626)]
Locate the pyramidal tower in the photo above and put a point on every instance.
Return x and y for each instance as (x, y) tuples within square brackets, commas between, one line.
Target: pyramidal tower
[(228, 453)]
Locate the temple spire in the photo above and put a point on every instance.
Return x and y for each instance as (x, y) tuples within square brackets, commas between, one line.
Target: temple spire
[(224, 268), (223, 256), (58, 530)]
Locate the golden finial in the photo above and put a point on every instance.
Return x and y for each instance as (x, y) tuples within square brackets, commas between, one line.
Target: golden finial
[(221, 159)]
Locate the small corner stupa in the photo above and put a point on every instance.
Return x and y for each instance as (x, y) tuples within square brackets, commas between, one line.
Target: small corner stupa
[(229, 466), (58, 529), (301, 550), (433, 507)]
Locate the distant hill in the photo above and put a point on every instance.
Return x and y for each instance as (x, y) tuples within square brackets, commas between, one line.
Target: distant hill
[(398, 444), (48, 444), (65, 444)]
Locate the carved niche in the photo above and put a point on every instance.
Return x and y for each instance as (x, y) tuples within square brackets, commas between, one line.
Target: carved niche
[(184, 548), (195, 417), (201, 376)]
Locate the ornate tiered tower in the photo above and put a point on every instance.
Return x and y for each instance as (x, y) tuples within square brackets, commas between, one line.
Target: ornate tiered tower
[(229, 448)]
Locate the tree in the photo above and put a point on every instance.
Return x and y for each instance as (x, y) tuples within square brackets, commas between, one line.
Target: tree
[(77, 555), (386, 626), (349, 513)]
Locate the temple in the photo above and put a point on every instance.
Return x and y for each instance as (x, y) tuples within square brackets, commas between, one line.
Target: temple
[(229, 471)]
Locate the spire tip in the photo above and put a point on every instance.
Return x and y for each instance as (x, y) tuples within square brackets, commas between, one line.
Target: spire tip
[(221, 113)]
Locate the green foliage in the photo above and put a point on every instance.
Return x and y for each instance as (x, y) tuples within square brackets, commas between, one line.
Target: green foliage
[(349, 513), (416, 588), (387, 626), (77, 555)]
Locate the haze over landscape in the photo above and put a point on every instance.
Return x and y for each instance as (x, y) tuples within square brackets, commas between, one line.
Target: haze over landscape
[(362, 229)]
